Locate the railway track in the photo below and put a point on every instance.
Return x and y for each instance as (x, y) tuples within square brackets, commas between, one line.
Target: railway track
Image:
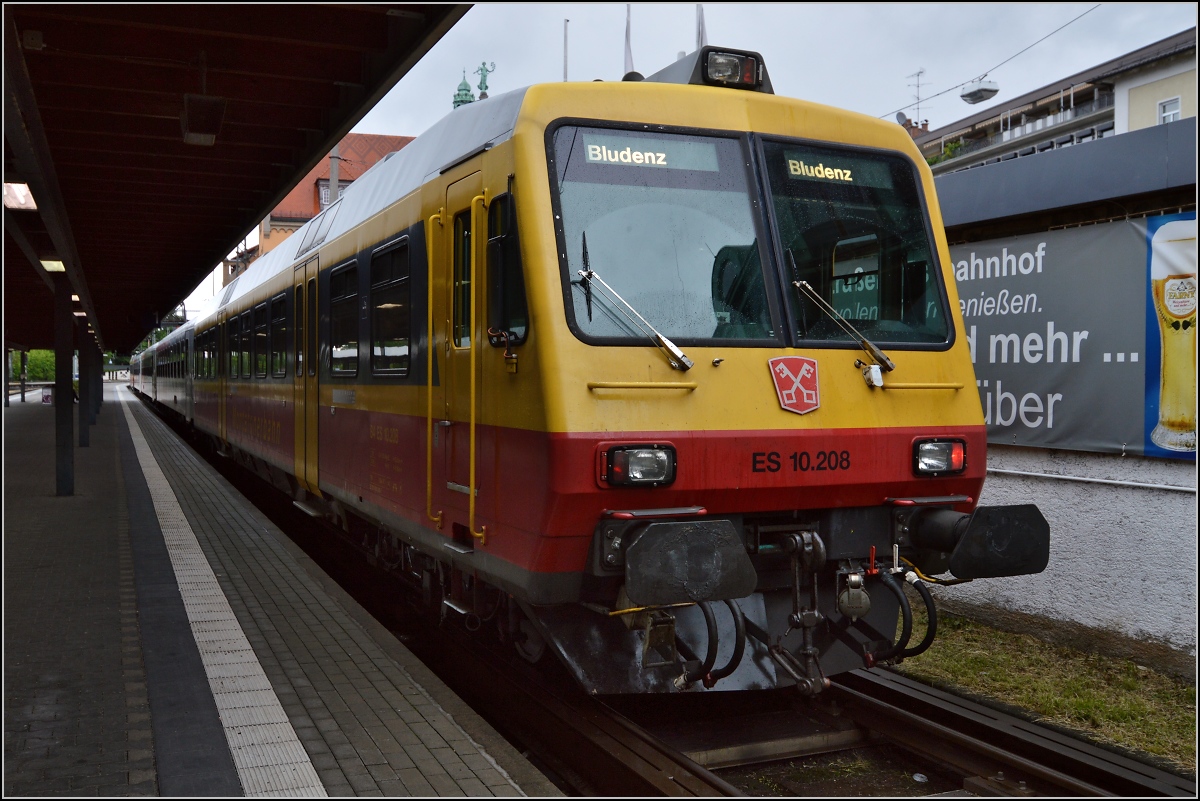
[(595, 748), (997, 753)]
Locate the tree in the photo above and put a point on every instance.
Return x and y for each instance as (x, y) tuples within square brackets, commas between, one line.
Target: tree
[(40, 366)]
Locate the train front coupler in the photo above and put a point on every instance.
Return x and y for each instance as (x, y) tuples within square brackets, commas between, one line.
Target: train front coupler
[(808, 554)]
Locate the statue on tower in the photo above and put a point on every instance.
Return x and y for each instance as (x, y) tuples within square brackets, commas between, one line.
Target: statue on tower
[(483, 71)]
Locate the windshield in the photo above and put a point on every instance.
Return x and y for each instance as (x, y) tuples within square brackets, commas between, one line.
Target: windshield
[(853, 227), (666, 220)]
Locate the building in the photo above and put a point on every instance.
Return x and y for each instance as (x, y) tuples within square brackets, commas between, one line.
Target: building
[(1052, 206), (1147, 87), (356, 154)]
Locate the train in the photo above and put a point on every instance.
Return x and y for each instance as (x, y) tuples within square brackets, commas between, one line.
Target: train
[(664, 376)]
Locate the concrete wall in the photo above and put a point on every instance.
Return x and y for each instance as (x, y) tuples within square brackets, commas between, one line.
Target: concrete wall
[(1144, 100), (1136, 107), (1122, 558)]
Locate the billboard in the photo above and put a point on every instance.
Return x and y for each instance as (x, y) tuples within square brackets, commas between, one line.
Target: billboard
[(1084, 338)]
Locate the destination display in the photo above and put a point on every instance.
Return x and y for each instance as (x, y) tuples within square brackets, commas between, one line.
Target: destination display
[(678, 154)]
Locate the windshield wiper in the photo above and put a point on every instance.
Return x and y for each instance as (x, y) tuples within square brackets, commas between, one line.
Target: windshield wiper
[(870, 348), (675, 357)]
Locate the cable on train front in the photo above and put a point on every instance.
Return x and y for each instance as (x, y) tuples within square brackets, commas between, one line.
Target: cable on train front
[(788, 427)]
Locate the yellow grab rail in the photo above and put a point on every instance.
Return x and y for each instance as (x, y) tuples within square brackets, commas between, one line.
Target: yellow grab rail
[(430, 239), (476, 337), (955, 387), (690, 386)]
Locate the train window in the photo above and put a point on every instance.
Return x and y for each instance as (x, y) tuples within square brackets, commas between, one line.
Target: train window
[(278, 337), (507, 312), (343, 321), (853, 227), (261, 347), (233, 347), (462, 280), (668, 222), (246, 339), (391, 312), (318, 229)]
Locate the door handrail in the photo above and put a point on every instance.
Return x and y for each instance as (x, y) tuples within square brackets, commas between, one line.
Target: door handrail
[(476, 338), (430, 240)]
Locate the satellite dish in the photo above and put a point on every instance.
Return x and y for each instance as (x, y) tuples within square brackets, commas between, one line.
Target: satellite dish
[(900, 118), (979, 91)]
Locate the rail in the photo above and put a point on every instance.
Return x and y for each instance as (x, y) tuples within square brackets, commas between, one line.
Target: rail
[(1002, 753)]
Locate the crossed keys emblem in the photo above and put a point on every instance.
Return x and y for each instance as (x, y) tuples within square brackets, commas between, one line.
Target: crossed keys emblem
[(796, 383)]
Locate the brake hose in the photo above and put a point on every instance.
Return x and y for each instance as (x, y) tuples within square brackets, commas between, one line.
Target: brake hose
[(710, 657), (905, 611), (739, 646), (931, 611)]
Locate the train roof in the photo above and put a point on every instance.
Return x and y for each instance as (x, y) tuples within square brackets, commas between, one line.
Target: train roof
[(462, 132)]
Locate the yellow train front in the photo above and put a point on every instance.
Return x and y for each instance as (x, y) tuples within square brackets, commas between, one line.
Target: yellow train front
[(664, 377)]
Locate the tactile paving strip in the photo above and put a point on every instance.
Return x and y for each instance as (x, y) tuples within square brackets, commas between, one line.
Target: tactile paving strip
[(269, 757)]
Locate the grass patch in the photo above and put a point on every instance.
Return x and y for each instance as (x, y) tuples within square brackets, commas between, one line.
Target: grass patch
[(1113, 701)]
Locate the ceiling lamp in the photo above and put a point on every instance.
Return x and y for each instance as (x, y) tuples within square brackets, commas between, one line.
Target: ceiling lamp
[(979, 91), (202, 113), (201, 119)]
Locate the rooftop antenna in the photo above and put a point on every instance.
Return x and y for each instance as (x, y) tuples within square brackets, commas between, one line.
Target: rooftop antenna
[(628, 44), (701, 33), (918, 75), (565, 21), (630, 73)]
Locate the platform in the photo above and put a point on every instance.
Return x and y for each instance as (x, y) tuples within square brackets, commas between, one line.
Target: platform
[(162, 637)]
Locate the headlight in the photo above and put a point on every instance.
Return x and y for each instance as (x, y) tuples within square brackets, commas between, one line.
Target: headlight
[(640, 465), (939, 457), (726, 68)]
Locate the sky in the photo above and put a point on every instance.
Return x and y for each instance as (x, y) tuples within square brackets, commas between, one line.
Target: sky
[(863, 57)]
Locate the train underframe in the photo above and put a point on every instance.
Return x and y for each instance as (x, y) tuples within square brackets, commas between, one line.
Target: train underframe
[(674, 600)]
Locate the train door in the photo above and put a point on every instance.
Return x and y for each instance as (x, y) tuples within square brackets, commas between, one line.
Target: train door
[(464, 233), (305, 396)]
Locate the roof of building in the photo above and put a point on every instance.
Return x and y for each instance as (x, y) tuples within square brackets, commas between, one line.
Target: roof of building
[(1164, 48), (357, 153)]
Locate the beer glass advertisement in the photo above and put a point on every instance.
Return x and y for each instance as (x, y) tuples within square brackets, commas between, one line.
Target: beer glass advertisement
[(1085, 338)]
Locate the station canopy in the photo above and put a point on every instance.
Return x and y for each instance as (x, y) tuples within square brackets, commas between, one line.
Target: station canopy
[(154, 138)]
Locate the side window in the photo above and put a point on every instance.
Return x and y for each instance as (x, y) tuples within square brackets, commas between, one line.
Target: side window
[(235, 348), (343, 321), (462, 280), (391, 311), (507, 311), (247, 334), (278, 337), (260, 340)]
